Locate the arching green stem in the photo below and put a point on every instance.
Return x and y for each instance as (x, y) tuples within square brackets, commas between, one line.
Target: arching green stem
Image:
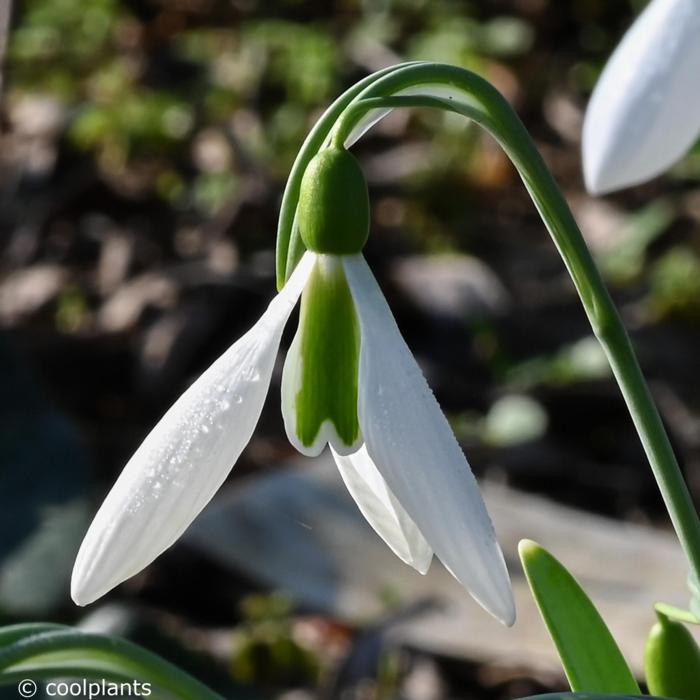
[(290, 247), (465, 93)]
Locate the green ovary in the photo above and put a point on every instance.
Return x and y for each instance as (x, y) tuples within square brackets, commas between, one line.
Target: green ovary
[(333, 212), (330, 351)]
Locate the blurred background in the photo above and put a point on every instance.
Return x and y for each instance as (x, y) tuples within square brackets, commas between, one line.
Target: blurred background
[(144, 148)]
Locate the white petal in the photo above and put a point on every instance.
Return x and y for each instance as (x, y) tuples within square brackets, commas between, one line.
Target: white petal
[(382, 510), (409, 439), (186, 457), (644, 113)]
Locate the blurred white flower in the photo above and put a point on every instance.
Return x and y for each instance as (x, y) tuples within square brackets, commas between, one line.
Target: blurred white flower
[(644, 113)]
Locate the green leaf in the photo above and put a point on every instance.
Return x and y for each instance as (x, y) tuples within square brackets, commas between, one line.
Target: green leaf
[(46, 651), (672, 661), (589, 696), (677, 613), (694, 589), (591, 659), (14, 633), (625, 260)]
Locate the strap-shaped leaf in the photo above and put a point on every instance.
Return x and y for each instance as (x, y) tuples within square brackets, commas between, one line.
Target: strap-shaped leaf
[(676, 613), (694, 588), (590, 696), (14, 633), (590, 656), (61, 652)]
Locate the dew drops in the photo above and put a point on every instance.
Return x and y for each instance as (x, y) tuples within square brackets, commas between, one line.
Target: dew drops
[(252, 375)]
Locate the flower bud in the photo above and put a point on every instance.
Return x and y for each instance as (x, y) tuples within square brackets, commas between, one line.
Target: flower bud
[(672, 661), (333, 213)]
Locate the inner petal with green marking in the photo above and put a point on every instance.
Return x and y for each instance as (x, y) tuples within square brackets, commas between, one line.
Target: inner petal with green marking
[(319, 382)]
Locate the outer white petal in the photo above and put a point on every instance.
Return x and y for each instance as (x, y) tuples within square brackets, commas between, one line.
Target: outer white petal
[(409, 439), (382, 510), (186, 457), (644, 113)]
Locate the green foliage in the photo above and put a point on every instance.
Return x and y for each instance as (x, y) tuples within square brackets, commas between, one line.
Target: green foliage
[(265, 648), (140, 119), (139, 83), (581, 361), (675, 284), (514, 419), (672, 661), (302, 58), (625, 261), (694, 587), (589, 696), (133, 114), (678, 614), (463, 40), (59, 42), (590, 656), (211, 191), (46, 652)]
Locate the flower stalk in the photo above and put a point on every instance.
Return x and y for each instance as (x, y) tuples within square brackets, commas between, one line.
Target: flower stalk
[(455, 89)]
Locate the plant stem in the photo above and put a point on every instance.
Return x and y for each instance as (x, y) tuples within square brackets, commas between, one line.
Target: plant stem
[(290, 247), (463, 92)]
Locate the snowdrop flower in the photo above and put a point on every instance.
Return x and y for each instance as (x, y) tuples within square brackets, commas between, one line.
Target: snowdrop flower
[(644, 113), (349, 381)]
